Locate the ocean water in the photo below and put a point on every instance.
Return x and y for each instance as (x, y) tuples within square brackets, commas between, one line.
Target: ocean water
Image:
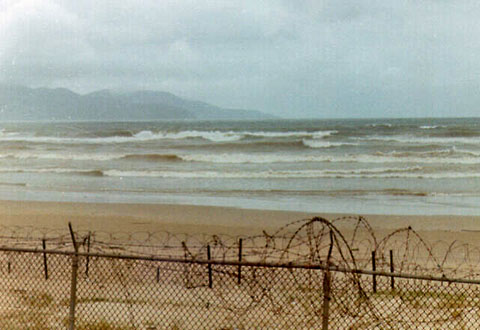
[(388, 166)]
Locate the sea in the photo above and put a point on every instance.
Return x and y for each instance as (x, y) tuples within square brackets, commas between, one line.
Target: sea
[(368, 166)]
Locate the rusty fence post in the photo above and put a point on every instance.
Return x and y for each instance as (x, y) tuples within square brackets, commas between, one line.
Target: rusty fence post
[(374, 277), (185, 266), (87, 262), (240, 241), (73, 287), (392, 269), (45, 267), (209, 257), (327, 287)]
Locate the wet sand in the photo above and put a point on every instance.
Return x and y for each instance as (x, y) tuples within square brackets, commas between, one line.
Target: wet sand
[(190, 219)]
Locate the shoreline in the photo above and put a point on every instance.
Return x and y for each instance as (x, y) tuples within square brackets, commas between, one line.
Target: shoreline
[(374, 206), (179, 218)]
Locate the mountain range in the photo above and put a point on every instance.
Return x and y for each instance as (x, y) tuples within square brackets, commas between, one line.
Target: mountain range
[(59, 104)]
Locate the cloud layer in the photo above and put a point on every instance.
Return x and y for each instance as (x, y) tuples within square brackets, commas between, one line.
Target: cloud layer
[(330, 58)]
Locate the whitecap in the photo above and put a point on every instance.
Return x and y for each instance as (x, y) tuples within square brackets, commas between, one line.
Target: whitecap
[(315, 143)]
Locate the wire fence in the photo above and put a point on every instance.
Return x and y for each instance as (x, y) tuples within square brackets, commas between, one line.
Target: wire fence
[(312, 278)]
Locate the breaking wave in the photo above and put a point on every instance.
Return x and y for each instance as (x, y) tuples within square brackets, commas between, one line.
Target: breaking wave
[(406, 139), (147, 135), (448, 156), (324, 144), (409, 172)]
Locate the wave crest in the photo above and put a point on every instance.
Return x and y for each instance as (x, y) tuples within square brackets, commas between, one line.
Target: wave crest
[(317, 144), (148, 135)]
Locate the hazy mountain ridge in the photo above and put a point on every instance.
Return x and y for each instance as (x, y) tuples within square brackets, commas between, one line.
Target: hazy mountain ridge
[(24, 103)]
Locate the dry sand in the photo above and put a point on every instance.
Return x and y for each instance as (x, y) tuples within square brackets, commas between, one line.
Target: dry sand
[(190, 219)]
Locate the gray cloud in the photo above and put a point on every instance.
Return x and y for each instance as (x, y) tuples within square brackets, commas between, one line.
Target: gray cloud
[(298, 58)]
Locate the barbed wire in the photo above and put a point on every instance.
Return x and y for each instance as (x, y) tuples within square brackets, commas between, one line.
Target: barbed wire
[(303, 240)]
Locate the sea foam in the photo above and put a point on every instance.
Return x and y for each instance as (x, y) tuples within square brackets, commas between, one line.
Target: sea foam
[(148, 135)]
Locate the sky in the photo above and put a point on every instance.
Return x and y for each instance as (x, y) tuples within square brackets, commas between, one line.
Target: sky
[(296, 59)]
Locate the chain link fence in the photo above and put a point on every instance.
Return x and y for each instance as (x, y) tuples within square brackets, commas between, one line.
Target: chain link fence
[(314, 276), (131, 292)]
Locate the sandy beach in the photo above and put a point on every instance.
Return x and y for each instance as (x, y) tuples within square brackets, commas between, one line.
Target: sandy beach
[(188, 219)]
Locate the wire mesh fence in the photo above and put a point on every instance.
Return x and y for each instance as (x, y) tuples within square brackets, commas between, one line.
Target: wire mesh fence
[(319, 278), (127, 292)]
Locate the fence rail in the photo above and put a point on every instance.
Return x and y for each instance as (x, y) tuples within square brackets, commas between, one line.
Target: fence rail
[(245, 263)]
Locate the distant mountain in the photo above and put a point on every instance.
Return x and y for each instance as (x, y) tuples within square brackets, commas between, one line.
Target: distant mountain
[(23, 103)]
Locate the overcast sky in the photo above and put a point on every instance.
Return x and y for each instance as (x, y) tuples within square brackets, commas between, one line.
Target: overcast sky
[(330, 58)]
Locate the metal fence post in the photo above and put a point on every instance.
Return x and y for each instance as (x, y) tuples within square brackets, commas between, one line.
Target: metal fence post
[(374, 277), (210, 282), (88, 251), (44, 245), (73, 287), (392, 269), (327, 287), (239, 260), (185, 265)]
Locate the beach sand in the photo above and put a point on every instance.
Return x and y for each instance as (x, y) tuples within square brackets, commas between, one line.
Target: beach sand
[(188, 219)]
